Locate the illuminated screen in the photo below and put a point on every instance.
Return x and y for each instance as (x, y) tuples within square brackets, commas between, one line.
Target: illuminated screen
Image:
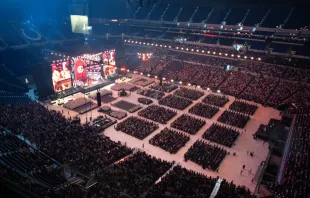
[(108, 57), (79, 24), (61, 76), (108, 70)]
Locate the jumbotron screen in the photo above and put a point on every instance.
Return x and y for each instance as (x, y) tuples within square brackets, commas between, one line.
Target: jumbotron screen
[(108, 60), (61, 76), (79, 24), (108, 57)]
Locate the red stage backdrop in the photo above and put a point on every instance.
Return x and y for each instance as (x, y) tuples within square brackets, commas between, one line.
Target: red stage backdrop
[(80, 70)]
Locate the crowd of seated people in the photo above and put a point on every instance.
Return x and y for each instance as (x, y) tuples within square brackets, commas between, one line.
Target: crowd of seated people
[(208, 72), (189, 93), (170, 140), (236, 83), (221, 134), (188, 124), (282, 91), (129, 178), (243, 107), (187, 72), (148, 66), (8, 174), (218, 79), (259, 89), (234, 119), (137, 127), (230, 190), (165, 87), (296, 173), (204, 76), (301, 98), (157, 114), (206, 155), (175, 102), (61, 139), (216, 100), (180, 182), (204, 110)]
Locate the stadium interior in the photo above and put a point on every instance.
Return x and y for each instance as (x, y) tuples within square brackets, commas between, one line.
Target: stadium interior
[(155, 98)]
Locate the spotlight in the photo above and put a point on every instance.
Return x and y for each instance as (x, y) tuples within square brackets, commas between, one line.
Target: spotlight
[(128, 70), (172, 80), (208, 89), (164, 78), (141, 73), (181, 82), (218, 91)]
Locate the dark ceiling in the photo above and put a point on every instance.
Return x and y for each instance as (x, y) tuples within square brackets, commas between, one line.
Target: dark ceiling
[(237, 3)]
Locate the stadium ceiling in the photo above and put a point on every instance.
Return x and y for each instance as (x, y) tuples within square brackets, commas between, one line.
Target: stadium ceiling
[(235, 3)]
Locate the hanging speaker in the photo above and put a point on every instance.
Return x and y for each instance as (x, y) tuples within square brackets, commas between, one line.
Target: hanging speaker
[(98, 99)]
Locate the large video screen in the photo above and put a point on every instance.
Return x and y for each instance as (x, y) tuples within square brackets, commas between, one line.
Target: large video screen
[(108, 57), (79, 24), (61, 76)]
